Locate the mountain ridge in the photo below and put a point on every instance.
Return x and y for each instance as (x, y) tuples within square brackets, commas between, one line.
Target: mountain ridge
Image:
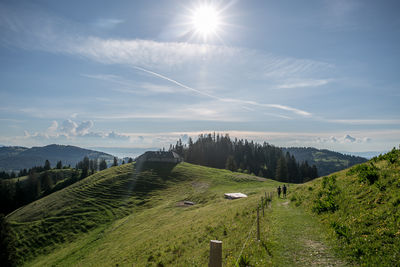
[(327, 161), (15, 158)]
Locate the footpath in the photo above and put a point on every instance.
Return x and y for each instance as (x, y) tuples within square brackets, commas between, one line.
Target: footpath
[(297, 238)]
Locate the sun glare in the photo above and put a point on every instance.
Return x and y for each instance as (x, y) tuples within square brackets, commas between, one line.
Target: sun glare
[(205, 21)]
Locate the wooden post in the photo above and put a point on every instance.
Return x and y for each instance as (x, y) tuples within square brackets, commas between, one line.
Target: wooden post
[(265, 199), (215, 253), (262, 205), (258, 223)]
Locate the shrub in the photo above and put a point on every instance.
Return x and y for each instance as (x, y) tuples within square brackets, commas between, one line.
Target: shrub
[(326, 197), (341, 230), (244, 261), (365, 173)]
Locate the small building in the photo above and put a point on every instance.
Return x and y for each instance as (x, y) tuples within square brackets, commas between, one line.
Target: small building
[(159, 156)]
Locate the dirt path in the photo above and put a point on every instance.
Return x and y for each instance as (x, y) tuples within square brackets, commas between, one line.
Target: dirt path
[(297, 238)]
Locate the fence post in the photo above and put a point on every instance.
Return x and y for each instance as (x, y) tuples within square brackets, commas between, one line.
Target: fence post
[(215, 253), (258, 223), (262, 205)]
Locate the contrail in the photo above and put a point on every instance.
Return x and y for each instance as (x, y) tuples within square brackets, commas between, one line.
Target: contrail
[(176, 82), (229, 100)]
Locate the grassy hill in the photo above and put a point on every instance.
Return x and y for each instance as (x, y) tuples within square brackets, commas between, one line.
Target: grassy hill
[(360, 207), (327, 161), (136, 215), (122, 216)]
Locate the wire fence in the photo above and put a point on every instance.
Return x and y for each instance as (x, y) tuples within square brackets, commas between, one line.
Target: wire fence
[(265, 201)]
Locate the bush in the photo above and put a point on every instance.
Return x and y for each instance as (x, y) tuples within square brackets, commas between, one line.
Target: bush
[(341, 230), (326, 197), (365, 173)]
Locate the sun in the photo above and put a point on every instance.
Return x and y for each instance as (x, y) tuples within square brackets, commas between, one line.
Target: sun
[(205, 21)]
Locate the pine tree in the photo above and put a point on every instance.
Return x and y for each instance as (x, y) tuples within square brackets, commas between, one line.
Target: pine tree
[(103, 165), (7, 244), (115, 163), (47, 165), (281, 170), (230, 164), (59, 165), (47, 182)]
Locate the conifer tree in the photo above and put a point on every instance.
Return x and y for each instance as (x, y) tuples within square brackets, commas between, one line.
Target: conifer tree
[(59, 165), (103, 165), (47, 165), (7, 244)]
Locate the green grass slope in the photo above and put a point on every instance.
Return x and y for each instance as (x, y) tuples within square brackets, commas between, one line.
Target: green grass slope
[(361, 208), (121, 216)]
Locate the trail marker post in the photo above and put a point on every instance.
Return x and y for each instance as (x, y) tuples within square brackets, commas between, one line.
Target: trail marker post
[(215, 253), (258, 223)]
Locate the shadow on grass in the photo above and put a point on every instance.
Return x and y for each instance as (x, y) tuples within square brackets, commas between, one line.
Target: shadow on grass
[(149, 176)]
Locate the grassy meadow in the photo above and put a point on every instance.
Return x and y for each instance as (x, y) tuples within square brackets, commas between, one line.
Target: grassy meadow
[(360, 207), (134, 215), (122, 216)]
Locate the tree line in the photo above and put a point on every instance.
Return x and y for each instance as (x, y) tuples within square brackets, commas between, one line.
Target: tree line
[(25, 172), (264, 160), (43, 180)]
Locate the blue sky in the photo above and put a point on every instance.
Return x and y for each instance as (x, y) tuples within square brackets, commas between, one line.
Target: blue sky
[(133, 74)]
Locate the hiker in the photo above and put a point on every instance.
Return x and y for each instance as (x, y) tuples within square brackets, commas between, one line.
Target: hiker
[(279, 191), (284, 191)]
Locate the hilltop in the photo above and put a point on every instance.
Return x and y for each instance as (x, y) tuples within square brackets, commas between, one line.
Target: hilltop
[(121, 215), (360, 207), (17, 158), (326, 161)]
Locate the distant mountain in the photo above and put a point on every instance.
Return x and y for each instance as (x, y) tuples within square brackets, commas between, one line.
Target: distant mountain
[(366, 154), (125, 152), (17, 158), (9, 151), (326, 161)]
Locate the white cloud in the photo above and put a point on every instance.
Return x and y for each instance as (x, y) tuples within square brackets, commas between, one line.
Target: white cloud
[(68, 128), (364, 121), (349, 138), (74, 130), (53, 127), (229, 100), (114, 135), (83, 128), (58, 36), (129, 86), (302, 83)]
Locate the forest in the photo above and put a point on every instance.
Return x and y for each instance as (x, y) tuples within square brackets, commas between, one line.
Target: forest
[(264, 160)]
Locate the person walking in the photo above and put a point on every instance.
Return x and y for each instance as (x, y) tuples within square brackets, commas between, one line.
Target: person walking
[(279, 191), (284, 191)]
